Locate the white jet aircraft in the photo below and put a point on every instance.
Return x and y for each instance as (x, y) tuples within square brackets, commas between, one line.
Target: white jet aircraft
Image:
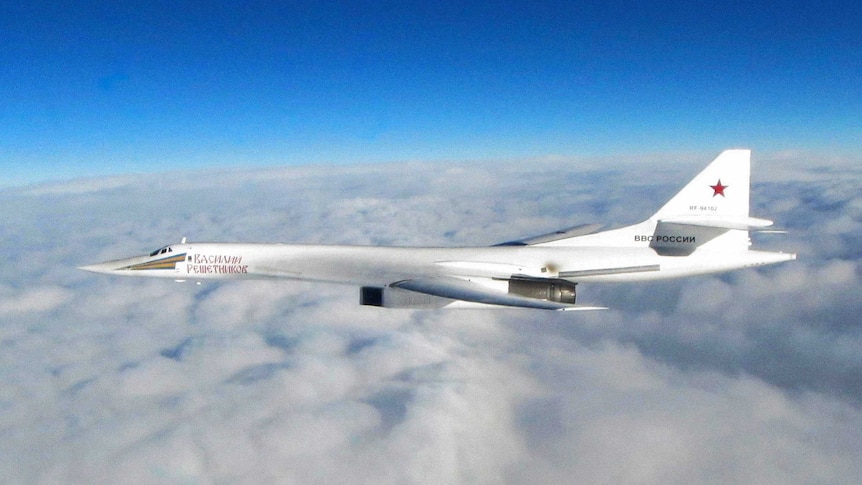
[(703, 229)]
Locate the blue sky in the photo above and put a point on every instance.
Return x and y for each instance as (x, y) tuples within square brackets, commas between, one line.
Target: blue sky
[(103, 88)]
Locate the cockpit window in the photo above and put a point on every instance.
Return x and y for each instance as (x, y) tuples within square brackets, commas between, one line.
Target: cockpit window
[(163, 250)]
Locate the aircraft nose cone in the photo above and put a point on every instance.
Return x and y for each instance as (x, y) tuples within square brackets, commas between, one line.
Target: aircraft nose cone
[(98, 268), (117, 266)]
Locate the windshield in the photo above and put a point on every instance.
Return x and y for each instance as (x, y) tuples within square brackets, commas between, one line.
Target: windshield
[(166, 249)]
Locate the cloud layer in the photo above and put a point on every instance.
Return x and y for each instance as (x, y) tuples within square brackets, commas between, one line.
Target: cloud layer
[(754, 376)]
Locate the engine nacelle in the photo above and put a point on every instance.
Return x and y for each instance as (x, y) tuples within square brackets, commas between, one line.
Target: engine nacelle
[(561, 291), (389, 297)]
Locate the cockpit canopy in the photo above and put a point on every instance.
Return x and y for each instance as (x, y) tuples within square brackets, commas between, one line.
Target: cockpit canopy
[(164, 250)]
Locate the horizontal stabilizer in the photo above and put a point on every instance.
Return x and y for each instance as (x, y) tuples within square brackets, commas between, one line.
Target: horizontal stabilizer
[(723, 222)]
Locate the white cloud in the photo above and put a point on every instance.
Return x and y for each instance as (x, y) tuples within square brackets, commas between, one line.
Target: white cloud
[(32, 300), (754, 376)]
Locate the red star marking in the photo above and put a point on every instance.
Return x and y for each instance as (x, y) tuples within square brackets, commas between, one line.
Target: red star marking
[(718, 189)]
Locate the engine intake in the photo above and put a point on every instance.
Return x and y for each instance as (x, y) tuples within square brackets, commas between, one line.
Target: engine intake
[(561, 291), (390, 297)]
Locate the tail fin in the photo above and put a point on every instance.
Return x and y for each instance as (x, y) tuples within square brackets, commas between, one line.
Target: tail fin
[(719, 190), (711, 212)]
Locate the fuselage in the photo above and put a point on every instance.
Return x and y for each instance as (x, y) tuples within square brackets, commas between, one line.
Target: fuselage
[(370, 265)]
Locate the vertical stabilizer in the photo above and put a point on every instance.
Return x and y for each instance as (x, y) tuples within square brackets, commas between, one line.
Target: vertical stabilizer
[(721, 190), (710, 212)]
